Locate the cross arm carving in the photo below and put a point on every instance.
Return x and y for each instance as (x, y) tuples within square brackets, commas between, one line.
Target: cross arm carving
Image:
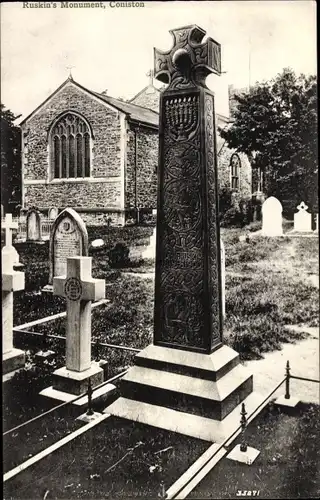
[(189, 61)]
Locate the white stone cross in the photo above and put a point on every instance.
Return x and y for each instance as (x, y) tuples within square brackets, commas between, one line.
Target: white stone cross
[(80, 289), (12, 281), (9, 225), (302, 206)]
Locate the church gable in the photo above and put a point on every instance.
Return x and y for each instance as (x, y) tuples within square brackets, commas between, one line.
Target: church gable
[(149, 97), (102, 122)]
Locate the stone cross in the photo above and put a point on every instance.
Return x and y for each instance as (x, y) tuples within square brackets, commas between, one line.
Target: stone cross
[(12, 281), (188, 294), (9, 226), (302, 220), (80, 289)]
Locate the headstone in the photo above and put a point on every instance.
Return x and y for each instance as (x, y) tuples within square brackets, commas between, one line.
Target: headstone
[(53, 213), (98, 243), (9, 226), (68, 238), (272, 217), (187, 380), (12, 281), (80, 289), (302, 220), (33, 225)]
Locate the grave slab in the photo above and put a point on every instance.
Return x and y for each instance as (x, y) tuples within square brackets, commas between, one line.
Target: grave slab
[(103, 393), (245, 457), (184, 423)]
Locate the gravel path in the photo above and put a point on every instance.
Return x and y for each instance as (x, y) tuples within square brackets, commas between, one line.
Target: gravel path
[(304, 362)]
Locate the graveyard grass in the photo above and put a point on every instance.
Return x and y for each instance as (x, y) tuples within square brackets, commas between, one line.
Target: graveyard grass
[(94, 467), (268, 286)]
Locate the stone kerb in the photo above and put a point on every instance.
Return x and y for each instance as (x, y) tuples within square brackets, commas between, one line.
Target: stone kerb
[(71, 216)]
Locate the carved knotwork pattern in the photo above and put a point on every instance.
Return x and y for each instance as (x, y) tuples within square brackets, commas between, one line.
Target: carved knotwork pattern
[(213, 246), (181, 313)]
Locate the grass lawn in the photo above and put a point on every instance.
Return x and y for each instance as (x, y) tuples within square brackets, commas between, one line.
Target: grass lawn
[(116, 459), (288, 464)]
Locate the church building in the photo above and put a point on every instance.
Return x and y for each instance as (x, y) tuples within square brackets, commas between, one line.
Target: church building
[(99, 155)]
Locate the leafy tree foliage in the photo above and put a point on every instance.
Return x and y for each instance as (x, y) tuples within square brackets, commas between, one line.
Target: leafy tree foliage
[(10, 160), (275, 123)]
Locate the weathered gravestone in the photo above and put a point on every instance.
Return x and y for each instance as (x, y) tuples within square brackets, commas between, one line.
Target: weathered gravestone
[(272, 217), (68, 238), (80, 289), (53, 213), (302, 220), (33, 225), (150, 251), (12, 281), (187, 381)]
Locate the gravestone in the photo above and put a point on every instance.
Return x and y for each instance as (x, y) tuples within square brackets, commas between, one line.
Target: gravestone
[(150, 251), (53, 213), (80, 289), (272, 217), (33, 225), (302, 220), (187, 381), (68, 238), (12, 281)]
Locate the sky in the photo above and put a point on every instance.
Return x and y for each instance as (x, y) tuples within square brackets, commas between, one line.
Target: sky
[(111, 47)]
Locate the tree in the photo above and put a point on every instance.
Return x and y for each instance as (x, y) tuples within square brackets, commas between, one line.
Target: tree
[(10, 160), (276, 123)]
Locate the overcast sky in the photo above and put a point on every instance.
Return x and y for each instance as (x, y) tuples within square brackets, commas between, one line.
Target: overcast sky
[(112, 48)]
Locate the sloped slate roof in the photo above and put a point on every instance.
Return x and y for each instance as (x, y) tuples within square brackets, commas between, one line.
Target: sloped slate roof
[(135, 112)]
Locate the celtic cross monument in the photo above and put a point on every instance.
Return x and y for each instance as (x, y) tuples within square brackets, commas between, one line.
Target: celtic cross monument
[(187, 380)]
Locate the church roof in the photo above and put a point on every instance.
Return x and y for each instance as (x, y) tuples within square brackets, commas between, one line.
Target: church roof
[(135, 112)]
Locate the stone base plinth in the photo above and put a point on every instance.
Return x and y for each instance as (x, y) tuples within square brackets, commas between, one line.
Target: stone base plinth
[(13, 360), (289, 403), (245, 457), (76, 382), (203, 386), (103, 394)]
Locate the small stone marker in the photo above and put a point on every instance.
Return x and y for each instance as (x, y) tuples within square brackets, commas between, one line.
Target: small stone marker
[(9, 226), (68, 238), (302, 220), (150, 251), (12, 281), (53, 213), (272, 217), (80, 289), (33, 225), (99, 243)]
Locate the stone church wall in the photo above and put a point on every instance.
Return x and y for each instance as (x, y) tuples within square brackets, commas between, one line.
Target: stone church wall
[(141, 181), (105, 161), (224, 174)]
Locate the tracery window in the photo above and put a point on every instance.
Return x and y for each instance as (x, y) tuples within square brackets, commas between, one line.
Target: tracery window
[(235, 165), (70, 143)]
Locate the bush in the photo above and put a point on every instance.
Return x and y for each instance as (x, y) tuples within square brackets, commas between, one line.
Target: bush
[(119, 255)]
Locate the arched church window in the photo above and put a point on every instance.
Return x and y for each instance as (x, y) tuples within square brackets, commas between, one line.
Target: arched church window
[(70, 142), (235, 165)]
